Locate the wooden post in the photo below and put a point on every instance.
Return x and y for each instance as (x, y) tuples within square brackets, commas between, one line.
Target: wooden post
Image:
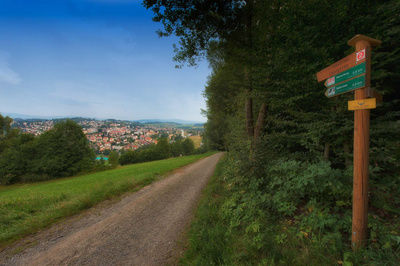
[(361, 149)]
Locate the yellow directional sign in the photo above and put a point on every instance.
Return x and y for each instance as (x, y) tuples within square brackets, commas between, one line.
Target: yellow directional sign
[(369, 103)]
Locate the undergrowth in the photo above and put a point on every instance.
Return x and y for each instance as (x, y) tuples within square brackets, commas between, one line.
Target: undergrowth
[(296, 213)]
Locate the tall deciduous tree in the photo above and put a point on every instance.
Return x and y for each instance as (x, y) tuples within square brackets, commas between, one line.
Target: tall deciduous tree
[(63, 151), (199, 24)]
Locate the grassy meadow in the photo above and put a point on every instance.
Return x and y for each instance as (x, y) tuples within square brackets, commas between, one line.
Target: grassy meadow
[(196, 140), (26, 208)]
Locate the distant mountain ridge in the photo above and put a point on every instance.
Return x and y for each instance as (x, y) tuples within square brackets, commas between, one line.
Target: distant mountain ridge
[(142, 121), (23, 116), (177, 121)]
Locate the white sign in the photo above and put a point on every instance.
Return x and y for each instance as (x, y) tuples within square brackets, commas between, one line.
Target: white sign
[(330, 81), (331, 91), (360, 55)]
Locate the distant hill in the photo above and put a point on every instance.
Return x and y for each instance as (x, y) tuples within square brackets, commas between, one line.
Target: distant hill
[(171, 125), (160, 122), (169, 121)]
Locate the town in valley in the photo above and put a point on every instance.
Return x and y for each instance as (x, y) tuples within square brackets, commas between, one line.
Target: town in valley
[(118, 135)]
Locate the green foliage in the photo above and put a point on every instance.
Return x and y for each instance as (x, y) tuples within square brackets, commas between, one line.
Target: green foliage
[(208, 237), (17, 158), (128, 157), (293, 184), (162, 150), (63, 151), (176, 147), (6, 133), (288, 193), (113, 159), (196, 23), (60, 152), (295, 213), (188, 146)]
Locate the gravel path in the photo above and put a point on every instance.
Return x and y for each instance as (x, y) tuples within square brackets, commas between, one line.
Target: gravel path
[(143, 228)]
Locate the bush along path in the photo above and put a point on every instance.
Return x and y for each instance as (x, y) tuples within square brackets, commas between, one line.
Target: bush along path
[(141, 229), (237, 223)]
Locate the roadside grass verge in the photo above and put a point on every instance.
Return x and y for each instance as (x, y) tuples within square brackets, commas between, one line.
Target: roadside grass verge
[(208, 241), (26, 208)]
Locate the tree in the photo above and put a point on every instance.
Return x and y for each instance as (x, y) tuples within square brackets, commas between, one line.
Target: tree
[(113, 158), (63, 151), (176, 147), (163, 149), (16, 162), (6, 132), (196, 23), (128, 157), (188, 146), (200, 24), (267, 62)]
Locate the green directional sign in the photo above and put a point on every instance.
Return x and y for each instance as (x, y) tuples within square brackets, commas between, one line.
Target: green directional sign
[(350, 85), (345, 75)]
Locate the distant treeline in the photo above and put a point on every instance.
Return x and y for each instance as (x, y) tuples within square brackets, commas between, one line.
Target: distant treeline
[(162, 150), (64, 151)]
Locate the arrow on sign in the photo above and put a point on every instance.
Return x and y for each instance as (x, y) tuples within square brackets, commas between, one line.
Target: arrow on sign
[(350, 85), (345, 75), (369, 103)]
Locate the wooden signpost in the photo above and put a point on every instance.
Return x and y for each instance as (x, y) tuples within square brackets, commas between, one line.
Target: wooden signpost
[(353, 73)]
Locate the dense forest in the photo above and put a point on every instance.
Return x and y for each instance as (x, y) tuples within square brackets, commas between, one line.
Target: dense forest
[(288, 170)]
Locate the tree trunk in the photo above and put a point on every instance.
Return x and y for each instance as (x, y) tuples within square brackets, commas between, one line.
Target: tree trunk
[(326, 151), (247, 72), (249, 117), (260, 121), (347, 154)]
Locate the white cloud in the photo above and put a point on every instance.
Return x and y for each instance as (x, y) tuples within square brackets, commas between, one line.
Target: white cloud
[(7, 75)]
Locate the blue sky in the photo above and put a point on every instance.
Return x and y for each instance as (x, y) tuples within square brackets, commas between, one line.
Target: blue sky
[(92, 58)]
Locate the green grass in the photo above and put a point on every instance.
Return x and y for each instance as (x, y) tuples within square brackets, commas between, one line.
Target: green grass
[(208, 240), (26, 208)]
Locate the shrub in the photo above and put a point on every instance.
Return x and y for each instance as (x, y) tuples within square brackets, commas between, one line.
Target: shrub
[(162, 150), (113, 159), (59, 152)]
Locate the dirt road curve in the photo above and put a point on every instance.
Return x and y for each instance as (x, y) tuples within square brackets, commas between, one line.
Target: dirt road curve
[(144, 228)]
